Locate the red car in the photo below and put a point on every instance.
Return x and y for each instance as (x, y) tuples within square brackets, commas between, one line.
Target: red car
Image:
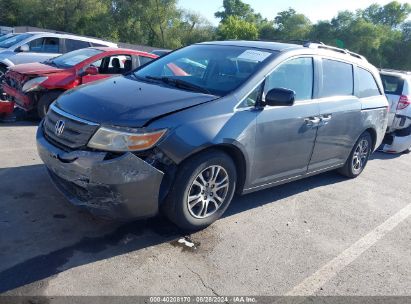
[(34, 86)]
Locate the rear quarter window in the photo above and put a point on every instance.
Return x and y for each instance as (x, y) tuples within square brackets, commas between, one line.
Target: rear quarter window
[(367, 85), (392, 84), (338, 78), (72, 45), (144, 60)]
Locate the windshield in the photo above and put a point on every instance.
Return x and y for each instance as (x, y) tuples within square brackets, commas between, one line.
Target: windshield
[(13, 40), (216, 69), (7, 36), (69, 60)]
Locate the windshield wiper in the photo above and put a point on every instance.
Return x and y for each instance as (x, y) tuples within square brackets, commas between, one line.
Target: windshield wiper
[(180, 83), (50, 62)]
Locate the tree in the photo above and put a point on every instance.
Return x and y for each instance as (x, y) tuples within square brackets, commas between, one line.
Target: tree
[(238, 9), (235, 28), (391, 14), (289, 25)]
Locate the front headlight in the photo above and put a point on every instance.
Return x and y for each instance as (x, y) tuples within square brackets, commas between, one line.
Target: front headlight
[(122, 141), (33, 84)]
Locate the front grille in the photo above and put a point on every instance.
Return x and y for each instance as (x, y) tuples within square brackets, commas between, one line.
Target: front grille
[(76, 134)]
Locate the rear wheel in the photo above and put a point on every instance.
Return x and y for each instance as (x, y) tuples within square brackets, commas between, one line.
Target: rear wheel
[(45, 101), (203, 190), (358, 158)]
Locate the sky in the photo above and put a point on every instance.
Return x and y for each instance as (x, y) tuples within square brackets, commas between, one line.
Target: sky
[(314, 9)]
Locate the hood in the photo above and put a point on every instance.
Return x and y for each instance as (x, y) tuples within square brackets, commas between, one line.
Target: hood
[(35, 68), (124, 101), (6, 53)]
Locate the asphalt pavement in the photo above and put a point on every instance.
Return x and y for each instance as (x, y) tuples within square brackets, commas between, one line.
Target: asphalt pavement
[(325, 235)]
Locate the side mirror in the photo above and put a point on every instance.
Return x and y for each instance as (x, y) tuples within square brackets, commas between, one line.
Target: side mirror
[(91, 70), (280, 97), (24, 48)]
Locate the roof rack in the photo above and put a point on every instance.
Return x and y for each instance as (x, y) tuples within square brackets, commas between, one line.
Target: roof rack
[(320, 45), (395, 71)]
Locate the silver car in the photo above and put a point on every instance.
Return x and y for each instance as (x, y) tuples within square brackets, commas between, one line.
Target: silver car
[(40, 46), (397, 88)]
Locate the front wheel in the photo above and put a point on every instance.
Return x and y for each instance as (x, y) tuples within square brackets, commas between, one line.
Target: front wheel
[(202, 191), (358, 158), (45, 101), (3, 70)]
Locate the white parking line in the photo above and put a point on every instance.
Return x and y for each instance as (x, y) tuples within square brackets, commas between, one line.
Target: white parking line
[(314, 282)]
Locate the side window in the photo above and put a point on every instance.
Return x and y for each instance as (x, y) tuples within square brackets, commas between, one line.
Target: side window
[(97, 64), (117, 64), (295, 74), (72, 45), (338, 78), (367, 86), (45, 45), (252, 98), (51, 45), (144, 60)]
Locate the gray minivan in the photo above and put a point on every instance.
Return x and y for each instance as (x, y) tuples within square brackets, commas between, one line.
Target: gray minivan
[(187, 131)]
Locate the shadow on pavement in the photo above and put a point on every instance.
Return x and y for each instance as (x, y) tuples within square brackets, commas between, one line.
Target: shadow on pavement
[(41, 231), (383, 155)]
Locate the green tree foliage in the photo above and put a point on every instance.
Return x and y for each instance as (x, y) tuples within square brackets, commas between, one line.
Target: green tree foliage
[(238, 9), (380, 32), (391, 14), (236, 28), (291, 26), (158, 23)]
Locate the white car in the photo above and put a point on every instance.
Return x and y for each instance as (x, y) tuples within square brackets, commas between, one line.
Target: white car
[(397, 88), (40, 46)]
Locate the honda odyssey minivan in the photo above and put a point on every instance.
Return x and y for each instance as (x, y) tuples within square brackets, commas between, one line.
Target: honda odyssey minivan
[(187, 131)]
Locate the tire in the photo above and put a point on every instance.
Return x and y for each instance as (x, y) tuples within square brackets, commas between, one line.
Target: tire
[(206, 208), (45, 101), (3, 70), (358, 158)]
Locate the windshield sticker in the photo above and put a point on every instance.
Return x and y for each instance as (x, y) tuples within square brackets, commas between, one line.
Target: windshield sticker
[(253, 55)]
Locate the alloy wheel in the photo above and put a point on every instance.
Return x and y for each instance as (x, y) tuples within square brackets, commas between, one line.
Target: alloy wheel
[(360, 156), (208, 191)]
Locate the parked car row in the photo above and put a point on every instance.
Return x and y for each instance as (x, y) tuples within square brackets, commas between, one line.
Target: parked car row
[(33, 87), (45, 75), (31, 47)]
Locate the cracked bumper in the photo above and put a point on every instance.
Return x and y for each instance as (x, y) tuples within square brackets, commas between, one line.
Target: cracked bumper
[(20, 99), (124, 188)]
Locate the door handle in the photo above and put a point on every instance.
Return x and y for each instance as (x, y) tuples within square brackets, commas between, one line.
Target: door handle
[(312, 121), (325, 119)]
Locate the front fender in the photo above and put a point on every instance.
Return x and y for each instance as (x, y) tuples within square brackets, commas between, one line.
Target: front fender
[(233, 131), (6, 62)]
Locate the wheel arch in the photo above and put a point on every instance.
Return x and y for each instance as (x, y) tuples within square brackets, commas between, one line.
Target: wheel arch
[(235, 154), (373, 134), (6, 63)]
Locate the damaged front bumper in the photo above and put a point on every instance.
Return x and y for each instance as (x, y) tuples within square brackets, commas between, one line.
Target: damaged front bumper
[(21, 100), (124, 187)]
